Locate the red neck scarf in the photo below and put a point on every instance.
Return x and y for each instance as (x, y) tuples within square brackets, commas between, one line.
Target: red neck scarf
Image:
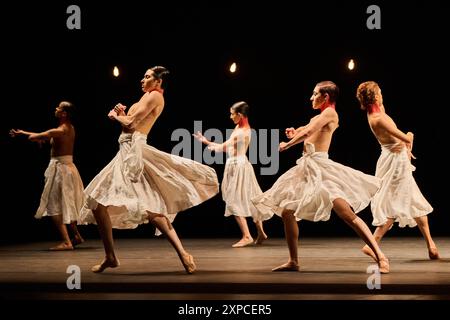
[(373, 108), (157, 89), (243, 122)]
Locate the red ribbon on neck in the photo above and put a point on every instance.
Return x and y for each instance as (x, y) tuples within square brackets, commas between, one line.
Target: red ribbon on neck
[(157, 89), (373, 108), (243, 122)]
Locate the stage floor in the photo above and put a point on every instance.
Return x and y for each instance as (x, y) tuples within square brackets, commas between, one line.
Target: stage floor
[(330, 268)]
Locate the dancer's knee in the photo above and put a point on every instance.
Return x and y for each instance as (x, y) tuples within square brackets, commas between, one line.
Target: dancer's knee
[(99, 210), (344, 211), (287, 214), (153, 218)]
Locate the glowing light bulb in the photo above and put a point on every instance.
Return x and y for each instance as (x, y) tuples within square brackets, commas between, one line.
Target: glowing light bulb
[(115, 71), (351, 64), (233, 67)]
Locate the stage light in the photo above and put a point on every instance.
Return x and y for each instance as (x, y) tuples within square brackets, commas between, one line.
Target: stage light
[(351, 64), (233, 67), (116, 71)]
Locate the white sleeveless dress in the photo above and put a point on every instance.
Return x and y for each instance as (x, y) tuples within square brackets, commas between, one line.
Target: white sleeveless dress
[(239, 184)]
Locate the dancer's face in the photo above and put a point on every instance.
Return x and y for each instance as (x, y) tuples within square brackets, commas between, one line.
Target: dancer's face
[(59, 111), (149, 82), (379, 97), (317, 98), (235, 117)]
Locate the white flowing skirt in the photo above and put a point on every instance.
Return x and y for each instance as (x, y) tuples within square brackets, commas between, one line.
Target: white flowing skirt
[(63, 190), (310, 187), (399, 197), (239, 186), (142, 179)]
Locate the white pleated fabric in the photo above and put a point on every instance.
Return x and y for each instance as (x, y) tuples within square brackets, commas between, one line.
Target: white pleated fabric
[(239, 186), (310, 187), (63, 190), (140, 178), (399, 197)]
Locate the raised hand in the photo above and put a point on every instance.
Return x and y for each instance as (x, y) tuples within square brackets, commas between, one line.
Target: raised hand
[(112, 114), (290, 132), (198, 135), (120, 109)]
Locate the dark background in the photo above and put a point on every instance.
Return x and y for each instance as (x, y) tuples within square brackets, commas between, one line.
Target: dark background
[(282, 50)]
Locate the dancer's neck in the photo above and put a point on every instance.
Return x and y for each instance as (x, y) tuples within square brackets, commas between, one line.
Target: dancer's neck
[(160, 90), (325, 105), (373, 108), (243, 123)]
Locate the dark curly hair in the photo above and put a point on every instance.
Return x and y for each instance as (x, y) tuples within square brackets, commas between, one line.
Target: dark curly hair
[(366, 93)]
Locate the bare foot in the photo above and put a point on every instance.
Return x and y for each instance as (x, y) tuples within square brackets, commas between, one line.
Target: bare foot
[(289, 266), (367, 250), (243, 242), (105, 264), (188, 263), (260, 238), (383, 265), (62, 247), (433, 253), (76, 240)]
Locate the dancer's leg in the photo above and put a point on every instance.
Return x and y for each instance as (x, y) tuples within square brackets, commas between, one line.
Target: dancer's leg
[(261, 234), (163, 224), (291, 234), (105, 228), (77, 238), (343, 210), (65, 244), (378, 235), (422, 223), (246, 236)]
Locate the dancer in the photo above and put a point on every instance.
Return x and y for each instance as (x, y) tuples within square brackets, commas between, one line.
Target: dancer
[(399, 199), (316, 185), (142, 184), (62, 198), (239, 184)]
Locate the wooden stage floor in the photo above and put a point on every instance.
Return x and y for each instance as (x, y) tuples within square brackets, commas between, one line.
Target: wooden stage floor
[(331, 268)]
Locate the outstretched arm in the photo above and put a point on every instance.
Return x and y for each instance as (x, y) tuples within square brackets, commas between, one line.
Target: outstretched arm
[(46, 135), (19, 132), (218, 147), (290, 132), (41, 136)]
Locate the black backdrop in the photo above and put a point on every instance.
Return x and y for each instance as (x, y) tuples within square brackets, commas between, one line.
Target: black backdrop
[(282, 51)]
